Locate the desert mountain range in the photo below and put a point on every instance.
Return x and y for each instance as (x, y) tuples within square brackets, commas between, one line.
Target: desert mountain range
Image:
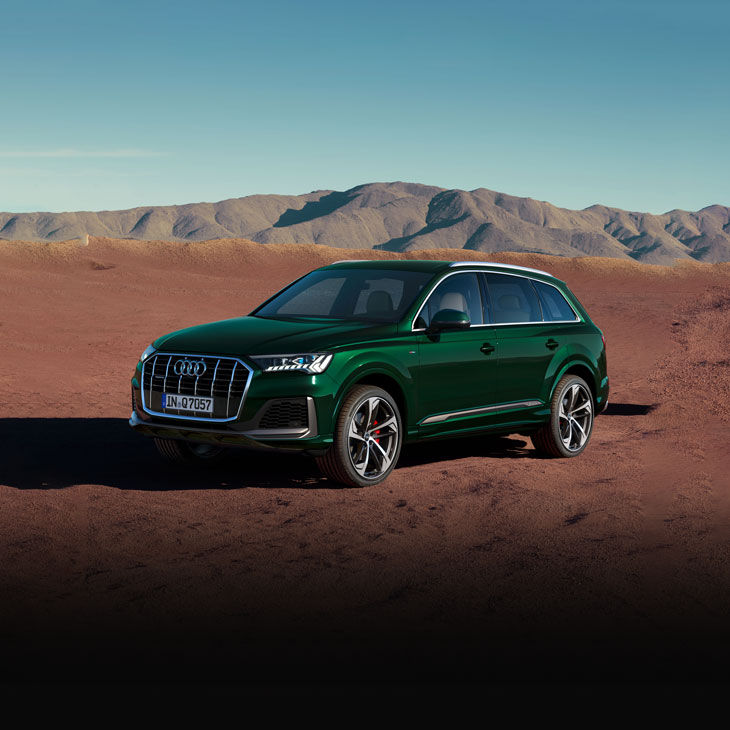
[(403, 217)]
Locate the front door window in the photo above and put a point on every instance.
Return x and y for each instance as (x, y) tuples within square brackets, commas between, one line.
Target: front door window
[(456, 372)]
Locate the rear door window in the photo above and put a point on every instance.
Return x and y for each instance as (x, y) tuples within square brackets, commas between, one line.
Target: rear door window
[(513, 300)]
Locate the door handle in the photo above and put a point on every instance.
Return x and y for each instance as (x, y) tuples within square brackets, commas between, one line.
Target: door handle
[(487, 348), (551, 344)]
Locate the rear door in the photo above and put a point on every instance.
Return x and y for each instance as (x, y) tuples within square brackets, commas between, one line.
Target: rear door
[(524, 344), (457, 369)]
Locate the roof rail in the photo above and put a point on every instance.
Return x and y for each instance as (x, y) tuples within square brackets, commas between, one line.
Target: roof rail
[(453, 264), (348, 261)]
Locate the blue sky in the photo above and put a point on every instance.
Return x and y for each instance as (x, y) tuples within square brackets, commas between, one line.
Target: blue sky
[(109, 105)]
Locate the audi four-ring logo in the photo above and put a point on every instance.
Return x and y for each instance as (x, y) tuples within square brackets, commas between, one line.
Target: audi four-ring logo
[(190, 367)]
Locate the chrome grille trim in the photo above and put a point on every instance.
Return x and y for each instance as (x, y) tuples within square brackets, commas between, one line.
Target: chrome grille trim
[(215, 375), (228, 400), (152, 377), (164, 382), (225, 396)]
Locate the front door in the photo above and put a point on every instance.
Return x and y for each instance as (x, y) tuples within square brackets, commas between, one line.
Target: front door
[(457, 368)]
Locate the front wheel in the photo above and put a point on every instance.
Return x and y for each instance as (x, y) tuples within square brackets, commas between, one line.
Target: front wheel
[(571, 419), (367, 439), (188, 452)]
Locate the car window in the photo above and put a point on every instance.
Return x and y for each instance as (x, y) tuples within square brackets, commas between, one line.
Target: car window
[(460, 292), (554, 306), (316, 300), (359, 294), (513, 299), (387, 290)]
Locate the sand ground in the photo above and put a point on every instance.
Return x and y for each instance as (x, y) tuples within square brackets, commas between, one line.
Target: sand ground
[(475, 557)]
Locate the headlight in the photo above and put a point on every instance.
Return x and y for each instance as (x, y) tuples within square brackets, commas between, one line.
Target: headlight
[(147, 353), (310, 363)]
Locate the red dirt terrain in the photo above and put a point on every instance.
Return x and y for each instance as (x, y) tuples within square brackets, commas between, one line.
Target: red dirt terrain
[(475, 559)]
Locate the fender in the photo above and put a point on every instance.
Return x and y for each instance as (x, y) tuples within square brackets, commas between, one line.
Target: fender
[(362, 367), (577, 358)]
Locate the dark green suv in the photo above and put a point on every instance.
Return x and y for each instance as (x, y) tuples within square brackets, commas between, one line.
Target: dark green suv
[(356, 358)]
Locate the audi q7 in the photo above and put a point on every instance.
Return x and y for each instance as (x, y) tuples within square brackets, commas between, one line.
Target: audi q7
[(354, 359)]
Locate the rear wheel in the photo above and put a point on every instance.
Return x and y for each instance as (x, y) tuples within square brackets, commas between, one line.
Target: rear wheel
[(367, 439), (188, 452), (571, 419)]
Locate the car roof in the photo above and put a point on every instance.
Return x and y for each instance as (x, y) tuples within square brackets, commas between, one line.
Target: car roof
[(391, 264), (430, 266)]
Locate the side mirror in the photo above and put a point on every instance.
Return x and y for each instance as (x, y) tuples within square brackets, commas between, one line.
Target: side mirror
[(449, 319)]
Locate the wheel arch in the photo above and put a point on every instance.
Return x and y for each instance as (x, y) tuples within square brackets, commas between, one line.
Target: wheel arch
[(581, 369), (380, 378), (389, 384)]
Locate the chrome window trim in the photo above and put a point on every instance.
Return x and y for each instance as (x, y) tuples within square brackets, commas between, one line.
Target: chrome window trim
[(578, 318), (441, 417), (197, 419)]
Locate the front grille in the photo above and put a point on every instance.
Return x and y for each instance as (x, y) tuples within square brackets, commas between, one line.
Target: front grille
[(285, 414), (225, 379)]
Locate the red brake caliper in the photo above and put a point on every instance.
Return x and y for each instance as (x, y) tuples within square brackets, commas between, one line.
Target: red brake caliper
[(375, 423)]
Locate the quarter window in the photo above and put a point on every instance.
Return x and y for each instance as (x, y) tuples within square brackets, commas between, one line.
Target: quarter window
[(554, 306), (460, 292), (513, 299)]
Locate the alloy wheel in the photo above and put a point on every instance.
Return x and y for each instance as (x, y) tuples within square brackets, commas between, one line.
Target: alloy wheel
[(575, 416), (372, 437)]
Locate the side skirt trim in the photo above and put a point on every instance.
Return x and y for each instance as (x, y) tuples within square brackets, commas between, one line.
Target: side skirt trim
[(441, 417)]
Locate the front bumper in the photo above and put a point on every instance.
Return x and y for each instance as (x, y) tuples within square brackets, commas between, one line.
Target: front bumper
[(302, 439)]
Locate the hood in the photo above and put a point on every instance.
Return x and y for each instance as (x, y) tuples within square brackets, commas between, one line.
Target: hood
[(262, 336)]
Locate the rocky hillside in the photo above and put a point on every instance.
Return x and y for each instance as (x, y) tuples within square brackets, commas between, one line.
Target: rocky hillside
[(403, 217)]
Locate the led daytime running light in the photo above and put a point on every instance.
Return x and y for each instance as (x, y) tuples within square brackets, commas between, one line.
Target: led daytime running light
[(314, 363)]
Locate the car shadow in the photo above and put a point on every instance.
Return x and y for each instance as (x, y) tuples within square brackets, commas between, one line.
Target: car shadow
[(628, 409), (496, 447), (55, 453)]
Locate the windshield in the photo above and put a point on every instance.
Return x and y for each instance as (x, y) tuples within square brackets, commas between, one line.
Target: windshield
[(377, 295)]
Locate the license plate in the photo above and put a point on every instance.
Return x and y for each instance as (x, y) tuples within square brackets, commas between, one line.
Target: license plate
[(190, 403)]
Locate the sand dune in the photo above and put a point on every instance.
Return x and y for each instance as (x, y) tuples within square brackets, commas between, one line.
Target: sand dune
[(403, 217), (470, 549)]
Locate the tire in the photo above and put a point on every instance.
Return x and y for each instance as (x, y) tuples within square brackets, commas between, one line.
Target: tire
[(569, 429), (187, 452), (363, 456)]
